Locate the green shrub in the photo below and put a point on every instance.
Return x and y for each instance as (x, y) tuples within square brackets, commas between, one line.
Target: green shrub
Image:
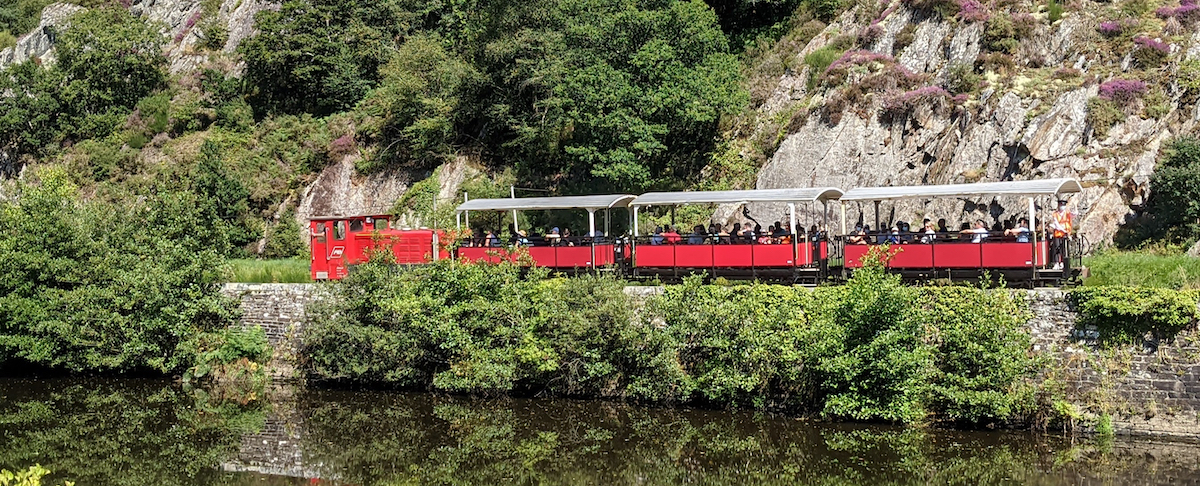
[(819, 60), (488, 329), (1001, 35), (1126, 315), (1102, 115), (98, 287), (873, 349), (283, 238)]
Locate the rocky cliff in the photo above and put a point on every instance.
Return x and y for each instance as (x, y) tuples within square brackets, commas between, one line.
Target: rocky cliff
[(1027, 117)]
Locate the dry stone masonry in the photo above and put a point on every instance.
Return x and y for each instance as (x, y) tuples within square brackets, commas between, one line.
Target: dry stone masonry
[(1153, 389)]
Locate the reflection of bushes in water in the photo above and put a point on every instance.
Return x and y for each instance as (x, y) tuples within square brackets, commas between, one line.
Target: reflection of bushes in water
[(134, 433), (422, 439), (873, 349)]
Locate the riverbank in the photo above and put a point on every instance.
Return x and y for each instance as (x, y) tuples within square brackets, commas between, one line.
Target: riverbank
[(1144, 388)]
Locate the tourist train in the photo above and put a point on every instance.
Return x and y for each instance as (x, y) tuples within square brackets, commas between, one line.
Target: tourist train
[(1044, 252)]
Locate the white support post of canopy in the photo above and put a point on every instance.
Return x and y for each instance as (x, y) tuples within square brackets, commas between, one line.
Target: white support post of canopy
[(512, 194), (592, 234), (824, 216), (843, 205), (466, 214), (792, 219), (1031, 228), (635, 221), (877, 217), (607, 223), (795, 240), (458, 221)]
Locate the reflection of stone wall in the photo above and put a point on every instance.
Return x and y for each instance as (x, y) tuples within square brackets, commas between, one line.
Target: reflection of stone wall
[(276, 449), (1154, 389)]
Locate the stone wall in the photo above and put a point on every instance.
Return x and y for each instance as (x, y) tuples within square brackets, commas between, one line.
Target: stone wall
[(1152, 389), (281, 310)]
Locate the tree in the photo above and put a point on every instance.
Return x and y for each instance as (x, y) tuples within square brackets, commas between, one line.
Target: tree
[(221, 200), (1174, 203), (110, 58), (323, 56), (420, 102), (627, 95), (93, 286)]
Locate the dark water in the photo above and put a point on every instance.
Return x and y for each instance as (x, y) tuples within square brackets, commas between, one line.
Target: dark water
[(130, 432)]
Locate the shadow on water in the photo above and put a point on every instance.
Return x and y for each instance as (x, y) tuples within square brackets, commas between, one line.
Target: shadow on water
[(99, 432)]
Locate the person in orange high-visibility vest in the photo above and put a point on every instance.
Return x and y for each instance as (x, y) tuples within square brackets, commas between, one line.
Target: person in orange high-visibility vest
[(1061, 226)]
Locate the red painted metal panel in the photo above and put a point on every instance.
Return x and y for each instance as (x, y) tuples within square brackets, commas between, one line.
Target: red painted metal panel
[(733, 256), (824, 250), (693, 256), (804, 254), (1007, 255), (543, 256), (605, 255), (1043, 253), (911, 256), (655, 256), (574, 256), (957, 255), (854, 254), (319, 264), (773, 256)]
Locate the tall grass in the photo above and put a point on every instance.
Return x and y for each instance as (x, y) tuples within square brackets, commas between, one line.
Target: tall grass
[(1143, 269), (249, 270)]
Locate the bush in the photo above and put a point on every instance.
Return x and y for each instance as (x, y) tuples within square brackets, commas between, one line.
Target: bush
[(1126, 315), (1102, 115), (488, 329), (1150, 53), (1173, 207), (95, 287), (874, 349)]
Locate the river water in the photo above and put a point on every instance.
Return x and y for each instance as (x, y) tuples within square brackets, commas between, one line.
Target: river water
[(146, 432)]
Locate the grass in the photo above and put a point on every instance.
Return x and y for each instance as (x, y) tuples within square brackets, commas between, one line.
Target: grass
[(1144, 269), (249, 270)]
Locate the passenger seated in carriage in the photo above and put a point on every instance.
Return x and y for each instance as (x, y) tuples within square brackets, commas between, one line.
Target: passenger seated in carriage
[(1021, 231), (553, 237), (697, 236), (928, 235), (671, 236), (657, 239), (978, 233)]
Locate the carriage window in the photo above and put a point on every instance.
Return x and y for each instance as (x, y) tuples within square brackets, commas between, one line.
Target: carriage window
[(381, 223), (339, 230), (356, 225)]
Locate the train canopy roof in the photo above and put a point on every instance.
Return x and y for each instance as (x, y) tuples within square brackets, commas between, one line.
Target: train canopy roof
[(808, 194), (1041, 187), (591, 203)]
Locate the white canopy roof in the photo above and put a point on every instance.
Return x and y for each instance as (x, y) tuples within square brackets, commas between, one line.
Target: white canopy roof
[(536, 203), (1042, 187), (737, 197)]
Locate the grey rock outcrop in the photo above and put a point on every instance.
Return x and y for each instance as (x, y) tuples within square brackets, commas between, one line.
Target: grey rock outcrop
[(340, 191), (1027, 126), (39, 43)]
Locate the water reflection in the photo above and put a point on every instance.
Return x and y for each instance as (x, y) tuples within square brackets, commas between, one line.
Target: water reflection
[(145, 432)]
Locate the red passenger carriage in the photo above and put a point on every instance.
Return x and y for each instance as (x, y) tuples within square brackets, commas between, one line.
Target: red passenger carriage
[(957, 256), (593, 250)]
